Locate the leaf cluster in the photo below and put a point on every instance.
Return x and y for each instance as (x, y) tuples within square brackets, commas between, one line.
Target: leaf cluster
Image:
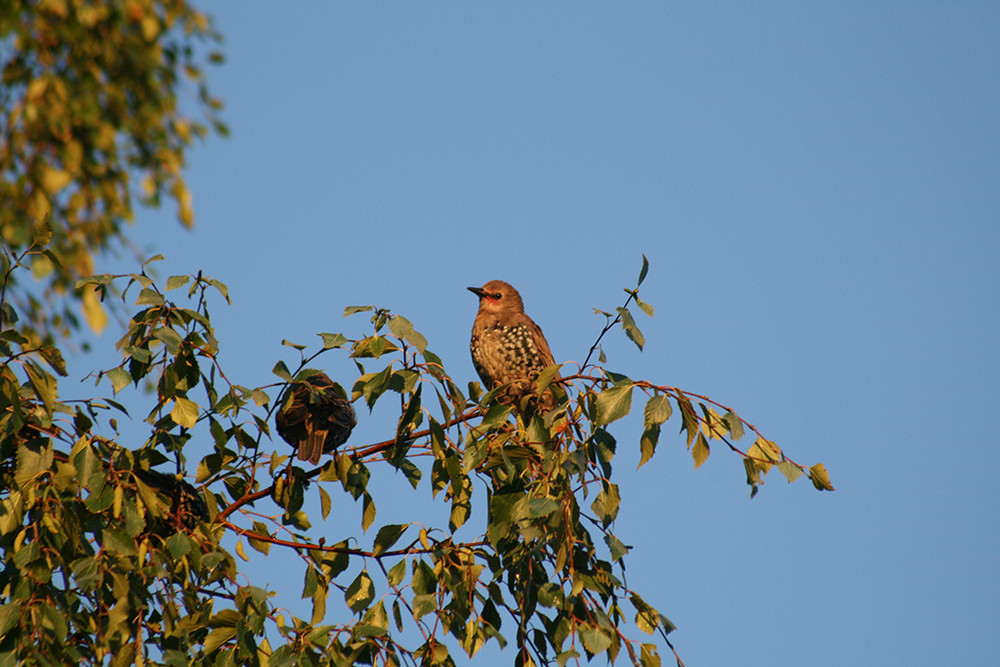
[(90, 106)]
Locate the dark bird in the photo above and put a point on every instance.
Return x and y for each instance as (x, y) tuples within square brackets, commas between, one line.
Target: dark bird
[(315, 417), (507, 346), (187, 507)]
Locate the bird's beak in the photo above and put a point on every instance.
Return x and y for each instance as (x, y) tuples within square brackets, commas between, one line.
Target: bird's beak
[(478, 291)]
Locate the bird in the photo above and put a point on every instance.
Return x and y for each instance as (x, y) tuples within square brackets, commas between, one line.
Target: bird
[(315, 417), (507, 346), (187, 507)]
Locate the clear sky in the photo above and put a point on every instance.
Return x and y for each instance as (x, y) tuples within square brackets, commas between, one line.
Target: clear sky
[(817, 189)]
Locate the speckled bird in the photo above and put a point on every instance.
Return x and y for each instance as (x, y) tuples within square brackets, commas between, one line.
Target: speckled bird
[(507, 346), (317, 419)]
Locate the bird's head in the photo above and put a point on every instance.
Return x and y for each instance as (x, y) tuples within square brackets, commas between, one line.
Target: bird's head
[(496, 296)]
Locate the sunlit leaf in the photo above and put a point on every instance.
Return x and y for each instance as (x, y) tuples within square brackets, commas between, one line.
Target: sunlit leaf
[(332, 340), (173, 282), (595, 639), (387, 536), (360, 593), (185, 412), (658, 409), (735, 425), (368, 513), (613, 403), (700, 451), (789, 470), (149, 297), (647, 443), (631, 330), (820, 478), (93, 311), (217, 638)]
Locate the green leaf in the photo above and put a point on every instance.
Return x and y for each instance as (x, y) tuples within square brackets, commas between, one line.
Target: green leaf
[(324, 501), (332, 340), (388, 536), (396, 573), (613, 403), (594, 639), (606, 504), (117, 541), (171, 339), (185, 412), (179, 545), (119, 378), (423, 604), (403, 329), (789, 470), (545, 378), (149, 297), (647, 443), (281, 370), (689, 418), (221, 288), (735, 425), (55, 359), (263, 546), (375, 622), (218, 637), (9, 615), (360, 593), (534, 508), (643, 270), (550, 595), (350, 310), (368, 513), (658, 410), (631, 330), (616, 546), (227, 618), (376, 385), (173, 282)]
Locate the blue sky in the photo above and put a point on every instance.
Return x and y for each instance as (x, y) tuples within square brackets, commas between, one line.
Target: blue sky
[(817, 189)]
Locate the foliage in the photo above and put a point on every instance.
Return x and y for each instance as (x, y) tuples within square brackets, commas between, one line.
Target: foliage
[(90, 106), (112, 557), (96, 570)]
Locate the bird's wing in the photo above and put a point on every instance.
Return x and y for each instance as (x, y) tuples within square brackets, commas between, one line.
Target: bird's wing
[(543, 345)]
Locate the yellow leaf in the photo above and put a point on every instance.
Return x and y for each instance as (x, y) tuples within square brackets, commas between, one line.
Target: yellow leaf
[(148, 186), (820, 478), (116, 506), (93, 311), (150, 27), (57, 7), (184, 210), (36, 88), (763, 454), (39, 205), (700, 451), (239, 551), (185, 412), (53, 180)]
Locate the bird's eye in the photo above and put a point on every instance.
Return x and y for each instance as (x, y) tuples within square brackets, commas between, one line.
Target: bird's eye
[(497, 295)]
